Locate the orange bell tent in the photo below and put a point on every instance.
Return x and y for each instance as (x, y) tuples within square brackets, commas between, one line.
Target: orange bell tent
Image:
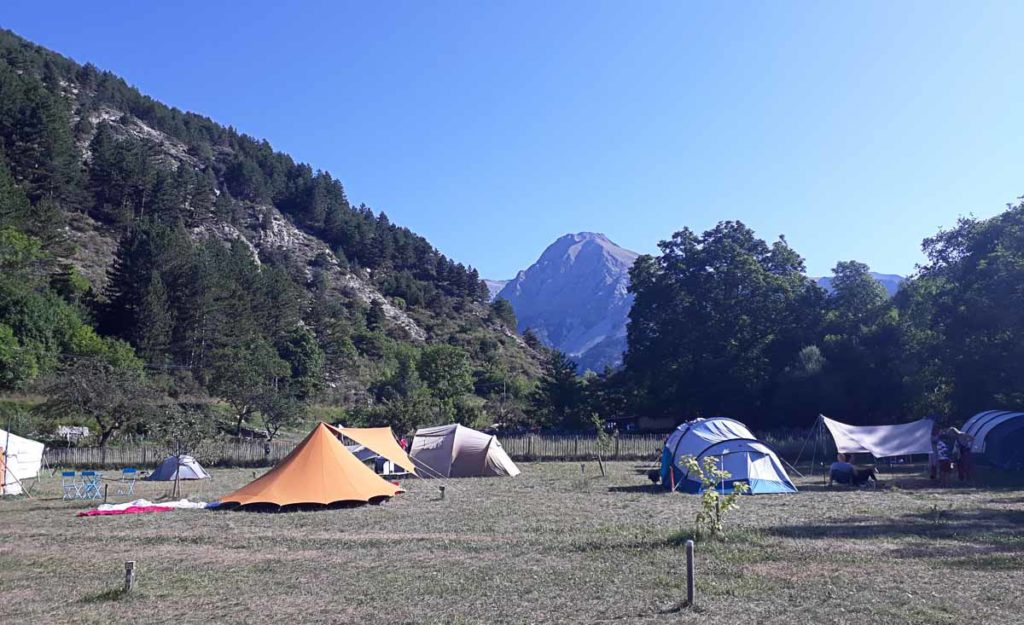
[(380, 441), (319, 471)]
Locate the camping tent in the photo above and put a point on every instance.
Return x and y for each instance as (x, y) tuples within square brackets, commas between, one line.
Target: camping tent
[(380, 442), (186, 468), (882, 441), (459, 451), (319, 471), (742, 455), (20, 459), (998, 437), (362, 452)]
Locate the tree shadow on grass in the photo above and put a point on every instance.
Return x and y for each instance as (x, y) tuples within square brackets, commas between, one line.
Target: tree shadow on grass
[(114, 594), (986, 530), (650, 489)]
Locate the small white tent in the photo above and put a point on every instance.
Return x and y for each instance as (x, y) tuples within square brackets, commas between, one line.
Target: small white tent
[(459, 451), (20, 461), (186, 467)]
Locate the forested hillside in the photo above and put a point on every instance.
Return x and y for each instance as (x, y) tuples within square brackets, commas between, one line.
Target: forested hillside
[(182, 263)]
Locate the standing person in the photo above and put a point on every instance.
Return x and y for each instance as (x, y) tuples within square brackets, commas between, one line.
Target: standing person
[(933, 458), (944, 455), (965, 461)]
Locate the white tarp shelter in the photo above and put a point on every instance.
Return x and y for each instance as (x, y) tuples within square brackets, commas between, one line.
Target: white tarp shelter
[(882, 441), (20, 461), (459, 451)]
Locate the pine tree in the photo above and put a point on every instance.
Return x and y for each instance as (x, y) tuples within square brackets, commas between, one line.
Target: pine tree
[(155, 322)]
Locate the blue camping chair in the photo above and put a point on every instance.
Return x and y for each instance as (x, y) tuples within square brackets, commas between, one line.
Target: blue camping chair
[(126, 485), (71, 485), (91, 485)]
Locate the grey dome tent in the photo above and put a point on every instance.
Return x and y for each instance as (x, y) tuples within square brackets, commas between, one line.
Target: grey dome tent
[(185, 467), (998, 437)]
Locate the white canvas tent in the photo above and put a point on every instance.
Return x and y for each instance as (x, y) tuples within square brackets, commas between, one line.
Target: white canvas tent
[(459, 451), (20, 461), (882, 441)]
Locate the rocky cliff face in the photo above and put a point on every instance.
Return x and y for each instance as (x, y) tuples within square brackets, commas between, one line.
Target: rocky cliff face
[(494, 287), (262, 227), (576, 299)]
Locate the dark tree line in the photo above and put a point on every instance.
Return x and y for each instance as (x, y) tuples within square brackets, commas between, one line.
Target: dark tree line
[(725, 323)]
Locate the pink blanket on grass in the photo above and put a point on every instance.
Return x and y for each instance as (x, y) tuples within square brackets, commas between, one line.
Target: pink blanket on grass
[(131, 510)]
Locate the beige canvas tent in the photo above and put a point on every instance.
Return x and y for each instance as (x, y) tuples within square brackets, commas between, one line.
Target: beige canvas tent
[(20, 459), (459, 451)]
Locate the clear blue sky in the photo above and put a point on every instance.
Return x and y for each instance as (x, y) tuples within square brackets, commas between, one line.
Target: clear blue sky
[(856, 129)]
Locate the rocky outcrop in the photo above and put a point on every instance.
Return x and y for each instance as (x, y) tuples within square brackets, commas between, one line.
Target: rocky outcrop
[(262, 228)]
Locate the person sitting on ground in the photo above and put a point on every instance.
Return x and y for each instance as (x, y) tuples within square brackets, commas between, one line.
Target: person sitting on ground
[(843, 471)]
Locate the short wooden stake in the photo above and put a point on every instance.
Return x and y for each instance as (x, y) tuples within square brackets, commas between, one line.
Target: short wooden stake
[(105, 487), (129, 576), (441, 488), (690, 583), (583, 469)]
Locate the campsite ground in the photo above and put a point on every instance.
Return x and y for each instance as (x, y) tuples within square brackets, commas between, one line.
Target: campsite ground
[(548, 546)]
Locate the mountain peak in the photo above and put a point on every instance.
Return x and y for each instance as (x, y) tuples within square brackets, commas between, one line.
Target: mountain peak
[(575, 297), (567, 248)]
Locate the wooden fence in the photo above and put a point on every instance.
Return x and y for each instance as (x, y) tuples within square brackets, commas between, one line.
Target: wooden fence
[(255, 453), (625, 447), (236, 453)]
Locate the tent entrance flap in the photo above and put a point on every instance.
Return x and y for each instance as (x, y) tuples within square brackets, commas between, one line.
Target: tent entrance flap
[(379, 440)]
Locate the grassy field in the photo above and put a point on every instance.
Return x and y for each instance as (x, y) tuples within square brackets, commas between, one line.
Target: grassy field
[(546, 547)]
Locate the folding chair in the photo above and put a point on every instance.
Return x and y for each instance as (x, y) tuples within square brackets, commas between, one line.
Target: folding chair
[(72, 487), (91, 485), (126, 485)]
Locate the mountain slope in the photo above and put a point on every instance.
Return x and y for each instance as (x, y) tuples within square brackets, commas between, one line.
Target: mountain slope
[(575, 298), (129, 194), (891, 282)]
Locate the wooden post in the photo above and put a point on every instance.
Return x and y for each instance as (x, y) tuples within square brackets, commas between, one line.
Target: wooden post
[(690, 582), (129, 576), (105, 487), (583, 469), (442, 489)]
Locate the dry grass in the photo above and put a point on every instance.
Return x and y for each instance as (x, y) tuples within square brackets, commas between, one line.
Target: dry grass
[(546, 547)]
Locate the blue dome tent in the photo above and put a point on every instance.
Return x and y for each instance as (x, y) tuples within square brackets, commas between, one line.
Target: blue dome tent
[(742, 455), (998, 437)]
